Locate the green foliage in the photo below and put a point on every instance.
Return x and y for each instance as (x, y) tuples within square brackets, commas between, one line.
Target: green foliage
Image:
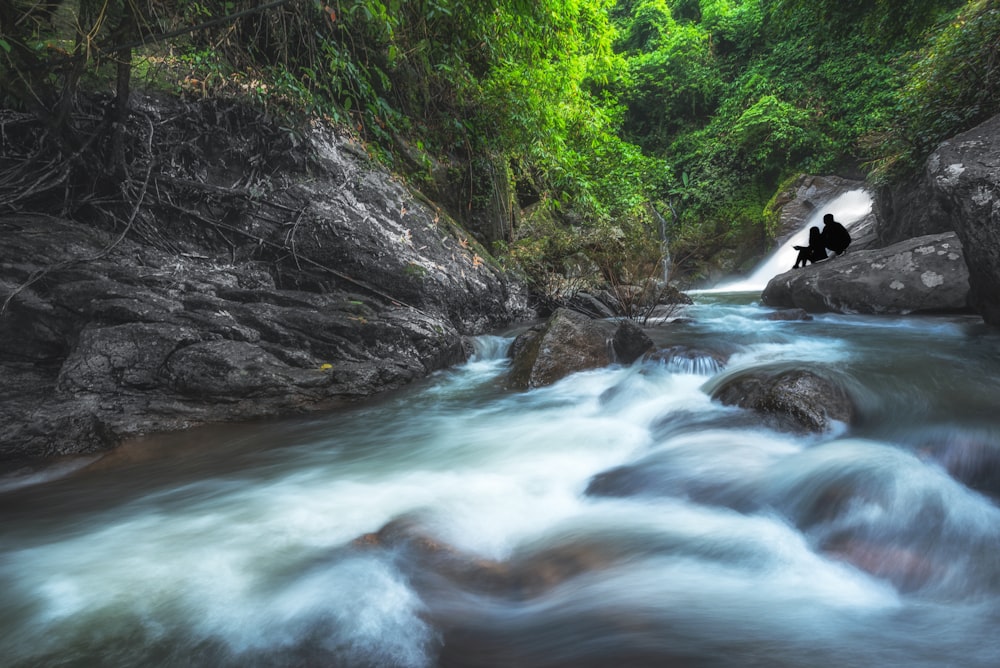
[(672, 80), (951, 85), (414, 270), (887, 21), (740, 95), (606, 111)]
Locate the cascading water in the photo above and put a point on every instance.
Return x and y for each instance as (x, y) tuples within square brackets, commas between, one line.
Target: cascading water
[(848, 208), (664, 245), (617, 518)]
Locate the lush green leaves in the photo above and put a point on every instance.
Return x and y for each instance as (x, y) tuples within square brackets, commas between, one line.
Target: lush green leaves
[(607, 111), (951, 85)]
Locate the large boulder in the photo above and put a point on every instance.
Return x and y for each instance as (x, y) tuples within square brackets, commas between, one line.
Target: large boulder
[(963, 176), (797, 399), (378, 232), (569, 342), (102, 348), (906, 210), (926, 274), (326, 281)]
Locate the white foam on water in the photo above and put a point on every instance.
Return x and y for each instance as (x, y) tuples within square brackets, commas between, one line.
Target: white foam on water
[(259, 559)]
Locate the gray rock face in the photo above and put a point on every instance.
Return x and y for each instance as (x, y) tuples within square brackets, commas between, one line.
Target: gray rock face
[(799, 200), (571, 342), (377, 230), (796, 203), (926, 274), (105, 349), (797, 399), (906, 211), (629, 342), (964, 179), (333, 284)]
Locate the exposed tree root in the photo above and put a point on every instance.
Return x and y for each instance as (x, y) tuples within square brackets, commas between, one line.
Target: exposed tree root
[(152, 181)]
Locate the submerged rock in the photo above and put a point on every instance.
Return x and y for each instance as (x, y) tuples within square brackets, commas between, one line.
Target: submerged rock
[(926, 274), (970, 456), (788, 314), (795, 399), (685, 359), (523, 576)]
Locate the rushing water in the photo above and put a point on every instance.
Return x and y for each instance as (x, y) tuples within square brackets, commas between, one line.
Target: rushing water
[(850, 208), (617, 518)]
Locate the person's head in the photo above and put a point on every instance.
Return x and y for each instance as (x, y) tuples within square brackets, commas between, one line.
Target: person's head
[(827, 219)]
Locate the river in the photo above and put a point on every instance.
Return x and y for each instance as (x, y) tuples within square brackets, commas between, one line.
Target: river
[(617, 518)]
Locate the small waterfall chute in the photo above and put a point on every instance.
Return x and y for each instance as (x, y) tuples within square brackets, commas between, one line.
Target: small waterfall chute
[(848, 208)]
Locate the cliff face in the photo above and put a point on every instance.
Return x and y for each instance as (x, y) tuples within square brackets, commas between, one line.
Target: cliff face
[(963, 178), (958, 190), (238, 287)]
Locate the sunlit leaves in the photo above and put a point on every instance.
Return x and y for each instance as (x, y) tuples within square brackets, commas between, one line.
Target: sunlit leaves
[(954, 84)]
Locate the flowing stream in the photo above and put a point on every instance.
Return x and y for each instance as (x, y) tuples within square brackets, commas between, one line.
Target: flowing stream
[(617, 518)]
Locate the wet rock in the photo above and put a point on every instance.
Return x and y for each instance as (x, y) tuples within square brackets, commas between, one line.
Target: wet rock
[(655, 478), (971, 457), (632, 480), (788, 314), (174, 341), (585, 302), (425, 555), (399, 246), (523, 353), (905, 210), (802, 196), (926, 274), (959, 190), (795, 399), (569, 342), (907, 568), (332, 283), (963, 176), (690, 360), (630, 342), (486, 634), (523, 576)]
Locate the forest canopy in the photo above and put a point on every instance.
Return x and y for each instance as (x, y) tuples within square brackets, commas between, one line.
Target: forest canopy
[(619, 125)]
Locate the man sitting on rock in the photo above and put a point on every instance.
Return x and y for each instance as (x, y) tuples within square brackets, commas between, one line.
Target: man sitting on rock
[(835, 236)]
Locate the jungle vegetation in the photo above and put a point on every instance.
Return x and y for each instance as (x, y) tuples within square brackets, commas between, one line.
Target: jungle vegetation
[(616, 123)]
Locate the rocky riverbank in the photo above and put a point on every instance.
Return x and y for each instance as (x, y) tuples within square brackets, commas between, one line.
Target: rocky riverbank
[(240, 290), (937, 247), (922, 275)]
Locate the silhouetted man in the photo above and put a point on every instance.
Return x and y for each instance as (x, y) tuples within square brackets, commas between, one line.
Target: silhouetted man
[(814, 252), (835, 236)]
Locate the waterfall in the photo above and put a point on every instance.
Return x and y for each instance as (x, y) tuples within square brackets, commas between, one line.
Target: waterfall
[(849, 209), (664, 244)]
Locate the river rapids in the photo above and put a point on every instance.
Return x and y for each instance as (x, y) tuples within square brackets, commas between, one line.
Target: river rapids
[(617, 518)]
